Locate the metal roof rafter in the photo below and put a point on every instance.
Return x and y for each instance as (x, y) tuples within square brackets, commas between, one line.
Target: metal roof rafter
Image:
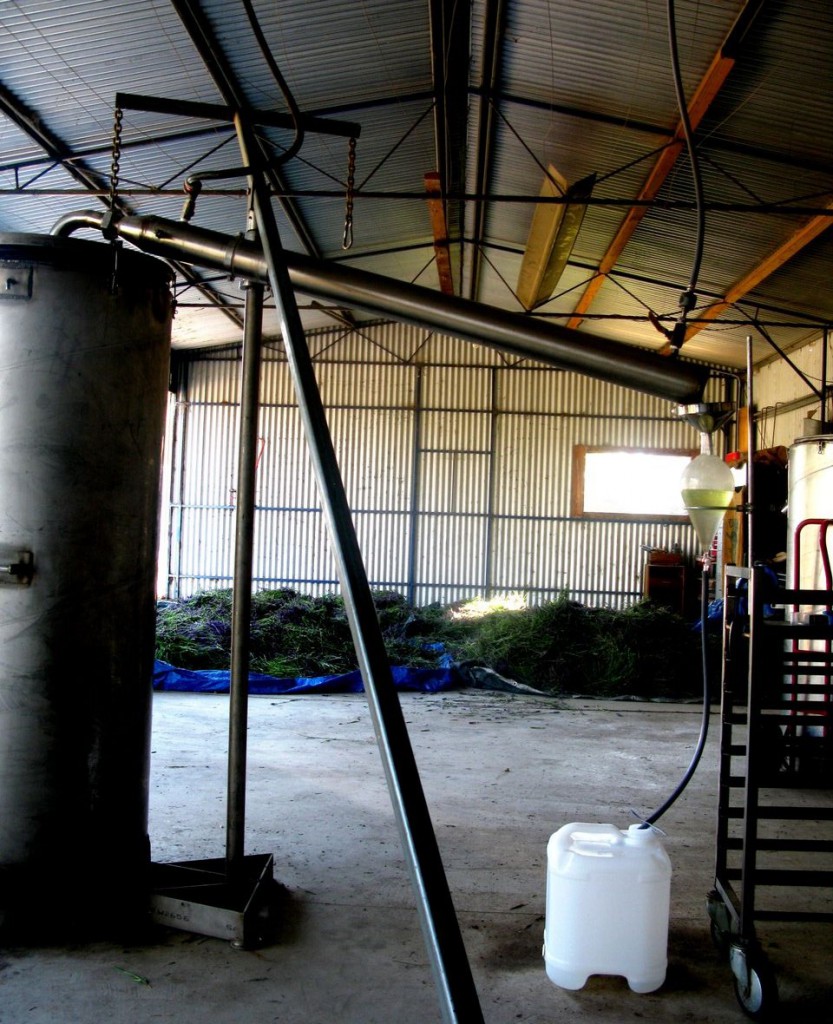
[(59, 152), (649, 128), (80, 154), (494, 22)]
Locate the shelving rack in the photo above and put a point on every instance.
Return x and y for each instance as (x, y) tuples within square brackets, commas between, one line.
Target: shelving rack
[(774, 850)]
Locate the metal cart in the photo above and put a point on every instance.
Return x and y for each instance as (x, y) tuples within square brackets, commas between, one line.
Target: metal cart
[(775, 810)]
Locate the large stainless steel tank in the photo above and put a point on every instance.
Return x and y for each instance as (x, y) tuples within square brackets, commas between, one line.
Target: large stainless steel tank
[(810, 496), (809, 556), (83, 377)]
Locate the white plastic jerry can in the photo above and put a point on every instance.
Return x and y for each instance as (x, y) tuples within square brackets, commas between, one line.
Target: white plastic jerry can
[(608, 898)]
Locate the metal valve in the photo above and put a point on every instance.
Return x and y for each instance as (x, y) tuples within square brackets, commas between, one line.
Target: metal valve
[(16, 566)]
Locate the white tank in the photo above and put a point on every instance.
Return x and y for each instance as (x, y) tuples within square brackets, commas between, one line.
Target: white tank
[(809, 506), (809, 496)]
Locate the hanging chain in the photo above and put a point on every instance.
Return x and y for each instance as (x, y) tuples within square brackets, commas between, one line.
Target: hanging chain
[(347, 240), (116, 243), (116, 158)]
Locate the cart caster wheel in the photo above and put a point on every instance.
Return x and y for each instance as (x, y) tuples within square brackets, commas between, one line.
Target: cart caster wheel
[(754, 982)]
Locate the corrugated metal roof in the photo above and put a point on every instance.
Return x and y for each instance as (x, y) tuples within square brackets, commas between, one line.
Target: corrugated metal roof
[(608, 56), (778, 96), (374, 50), (584, 85)]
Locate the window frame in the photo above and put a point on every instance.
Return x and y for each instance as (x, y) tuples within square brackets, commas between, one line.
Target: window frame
[(579, 460)]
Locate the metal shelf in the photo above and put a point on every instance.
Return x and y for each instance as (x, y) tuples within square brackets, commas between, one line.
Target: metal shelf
[(774, 847)]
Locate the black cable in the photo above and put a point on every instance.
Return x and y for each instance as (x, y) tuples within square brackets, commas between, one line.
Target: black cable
[(294, 110), (193, 183), (704, 721), (689, 297)]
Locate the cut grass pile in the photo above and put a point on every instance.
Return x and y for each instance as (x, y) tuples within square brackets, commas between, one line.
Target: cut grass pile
[(559, 647)]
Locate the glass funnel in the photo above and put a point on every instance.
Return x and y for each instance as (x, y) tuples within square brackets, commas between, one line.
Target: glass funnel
[(707, 487)]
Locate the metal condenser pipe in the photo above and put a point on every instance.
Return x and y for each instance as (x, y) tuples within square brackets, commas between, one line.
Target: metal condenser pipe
[(518, 335)]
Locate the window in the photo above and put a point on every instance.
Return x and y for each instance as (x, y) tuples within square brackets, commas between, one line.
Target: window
[(629, 482)]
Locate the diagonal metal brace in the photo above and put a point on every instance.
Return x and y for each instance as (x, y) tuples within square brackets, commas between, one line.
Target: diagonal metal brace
[(447, 954)]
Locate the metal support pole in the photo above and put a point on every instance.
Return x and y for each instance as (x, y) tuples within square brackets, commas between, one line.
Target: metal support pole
[(491, 480), (414, 517), (452, 973), (242, 598), (750, 460)]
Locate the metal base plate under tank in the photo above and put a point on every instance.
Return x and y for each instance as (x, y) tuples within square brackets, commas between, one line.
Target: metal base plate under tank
[(204, 897)]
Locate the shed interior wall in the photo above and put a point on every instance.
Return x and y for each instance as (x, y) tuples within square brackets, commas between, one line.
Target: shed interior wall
[(783, 400), (456, 464)]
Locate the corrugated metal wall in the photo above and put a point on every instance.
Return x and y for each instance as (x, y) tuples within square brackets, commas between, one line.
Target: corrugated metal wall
[(783, 400), (456, 463)]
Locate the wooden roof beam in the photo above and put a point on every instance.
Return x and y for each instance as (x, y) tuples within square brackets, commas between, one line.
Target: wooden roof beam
[(705, 93), (439, 227), (800, 238)]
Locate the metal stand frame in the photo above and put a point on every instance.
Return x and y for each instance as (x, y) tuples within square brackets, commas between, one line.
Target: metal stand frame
[(441, 930), (230, 898), (775, 714)]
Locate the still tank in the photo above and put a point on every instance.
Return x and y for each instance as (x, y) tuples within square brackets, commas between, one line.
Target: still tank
[(810, 497), (809, 558), (84, 356)]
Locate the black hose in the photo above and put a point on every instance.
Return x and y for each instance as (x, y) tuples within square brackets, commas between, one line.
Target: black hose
[(704, 721), (687, 302), (689, 297), (294, 110)]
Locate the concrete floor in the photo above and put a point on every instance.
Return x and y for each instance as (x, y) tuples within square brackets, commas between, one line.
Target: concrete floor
[(501, 773)]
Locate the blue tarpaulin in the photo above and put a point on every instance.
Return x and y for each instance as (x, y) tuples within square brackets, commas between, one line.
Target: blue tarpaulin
[(425, 680)]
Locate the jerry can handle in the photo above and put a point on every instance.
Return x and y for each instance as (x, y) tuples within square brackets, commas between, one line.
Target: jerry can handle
[(596, 844)]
